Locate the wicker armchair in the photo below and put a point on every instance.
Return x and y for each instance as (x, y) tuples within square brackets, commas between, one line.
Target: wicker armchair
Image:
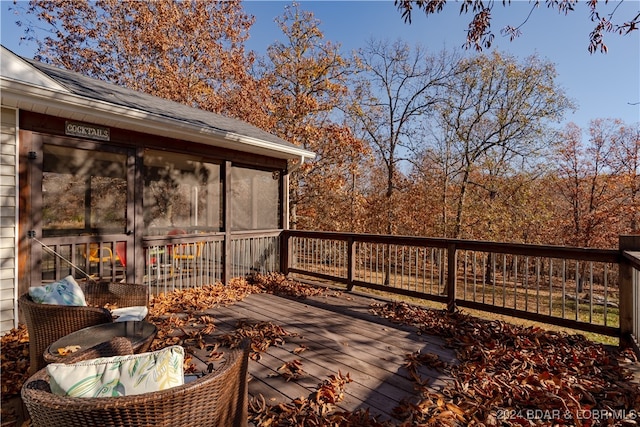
[(120, 294), (216, 399), (118, 346), (46, 323)]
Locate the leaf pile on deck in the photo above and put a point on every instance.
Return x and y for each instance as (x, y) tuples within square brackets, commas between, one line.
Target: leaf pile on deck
[(516, 371), (202, 298), (318, 409), (278, 284), (176, 313), (181, 319), (502, 369), (292, 371), (15, 361), (262, 334), (528, 375)]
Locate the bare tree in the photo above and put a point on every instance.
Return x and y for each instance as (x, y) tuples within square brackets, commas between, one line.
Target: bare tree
[(496, 113), (588, 193), (395, 90), (480, 36)]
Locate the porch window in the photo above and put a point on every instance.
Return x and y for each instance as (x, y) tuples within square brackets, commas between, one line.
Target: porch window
[(181, 192), (255, 199), (83, 191)]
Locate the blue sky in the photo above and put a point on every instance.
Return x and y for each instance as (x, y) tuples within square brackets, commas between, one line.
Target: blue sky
[(602, 85)]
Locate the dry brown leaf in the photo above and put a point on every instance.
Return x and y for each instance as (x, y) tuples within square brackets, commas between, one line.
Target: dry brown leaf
[(499, 365), (65, 351)]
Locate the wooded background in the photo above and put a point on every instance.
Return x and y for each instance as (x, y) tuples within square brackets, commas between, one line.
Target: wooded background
[(408, 141)]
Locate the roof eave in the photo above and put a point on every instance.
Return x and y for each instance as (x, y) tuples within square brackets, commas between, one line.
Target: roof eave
[(38, 99)]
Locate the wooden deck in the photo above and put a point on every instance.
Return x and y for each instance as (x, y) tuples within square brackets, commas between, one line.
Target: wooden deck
[(341, 336)]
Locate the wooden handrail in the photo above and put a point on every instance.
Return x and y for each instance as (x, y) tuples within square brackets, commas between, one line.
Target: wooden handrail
[(627, 260)]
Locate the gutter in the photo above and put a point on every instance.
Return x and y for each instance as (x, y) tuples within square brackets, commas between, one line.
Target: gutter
[(297, 165)]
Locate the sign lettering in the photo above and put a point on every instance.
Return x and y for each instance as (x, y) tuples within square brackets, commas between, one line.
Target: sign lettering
[(87, 131)]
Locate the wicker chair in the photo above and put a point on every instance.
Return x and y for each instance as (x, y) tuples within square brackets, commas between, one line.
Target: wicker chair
[(216, 399), (46, 323), (117, 346)]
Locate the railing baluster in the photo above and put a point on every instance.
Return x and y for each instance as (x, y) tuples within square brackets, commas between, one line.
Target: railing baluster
[(578, 279), (550, 286), (526, 283), (402, 267), (606, 294), (590, 292), (484, 278), (401, 263), (515, 282), (564, 288)]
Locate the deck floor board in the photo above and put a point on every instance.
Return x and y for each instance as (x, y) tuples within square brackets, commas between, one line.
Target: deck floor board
[(341, 336)]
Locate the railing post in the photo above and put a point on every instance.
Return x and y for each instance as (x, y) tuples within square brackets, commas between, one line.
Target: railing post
[(451, 277), (626, 299), (285, 239), (351, 255), (226, 243)]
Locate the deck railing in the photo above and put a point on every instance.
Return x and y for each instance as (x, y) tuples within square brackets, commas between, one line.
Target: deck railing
[(578, 288), (630, 296), (635, 305), (592, 290), (180, 262), (166, 263), (80, 256)]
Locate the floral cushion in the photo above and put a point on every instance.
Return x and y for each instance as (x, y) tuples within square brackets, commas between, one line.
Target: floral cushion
[(64, 292), (119, 375)]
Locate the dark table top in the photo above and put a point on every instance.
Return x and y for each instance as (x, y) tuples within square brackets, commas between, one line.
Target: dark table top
[(140, 334)]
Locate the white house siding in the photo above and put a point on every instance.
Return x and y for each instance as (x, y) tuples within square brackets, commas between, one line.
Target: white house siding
[(8, 219)]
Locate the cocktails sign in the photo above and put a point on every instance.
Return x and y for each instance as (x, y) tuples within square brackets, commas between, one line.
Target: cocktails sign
[(87, 131)]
